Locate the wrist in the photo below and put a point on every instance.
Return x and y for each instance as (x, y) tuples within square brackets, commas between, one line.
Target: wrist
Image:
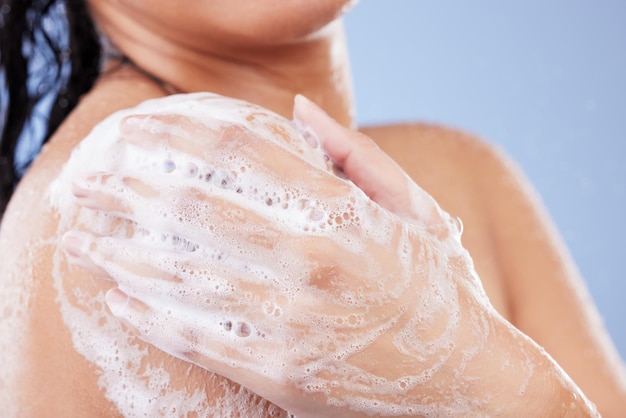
[(528, 381)]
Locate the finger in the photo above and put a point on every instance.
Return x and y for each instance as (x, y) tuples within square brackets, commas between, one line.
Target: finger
[(259, 170), (212, 217), (216, 120), (176, 131), (364, 163), (286, 188), (103, 191), (265, 251), (257, 249), (191, 136), (76, 244), (267, 148), (123, 260), (196, 278), (205, 213), (216, 341)]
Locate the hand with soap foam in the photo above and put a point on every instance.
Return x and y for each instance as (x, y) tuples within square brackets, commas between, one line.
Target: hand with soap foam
[(300, 261)]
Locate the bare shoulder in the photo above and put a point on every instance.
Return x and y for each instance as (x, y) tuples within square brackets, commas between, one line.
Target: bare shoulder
[(505, 222), (456, 168), (71, 357), (118, 90), (45, 372), (424, 148), (523, 263), (462, 171)]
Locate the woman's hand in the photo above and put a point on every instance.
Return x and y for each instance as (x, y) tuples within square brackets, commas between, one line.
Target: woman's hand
[(246, 253)]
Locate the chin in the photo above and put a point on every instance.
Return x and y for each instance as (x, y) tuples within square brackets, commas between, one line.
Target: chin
[(236, 23), (275, 22)]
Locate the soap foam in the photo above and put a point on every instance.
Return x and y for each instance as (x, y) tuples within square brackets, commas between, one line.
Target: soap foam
[(14, 317), (136, 390), (257, 224)]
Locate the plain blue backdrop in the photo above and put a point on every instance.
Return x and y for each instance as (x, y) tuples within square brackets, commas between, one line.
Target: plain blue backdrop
[(544, 79)]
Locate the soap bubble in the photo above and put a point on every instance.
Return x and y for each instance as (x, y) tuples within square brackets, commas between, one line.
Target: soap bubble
[(242, 329), (169, 166)]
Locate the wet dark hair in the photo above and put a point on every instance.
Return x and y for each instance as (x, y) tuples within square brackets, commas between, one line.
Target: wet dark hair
[(49, 57)]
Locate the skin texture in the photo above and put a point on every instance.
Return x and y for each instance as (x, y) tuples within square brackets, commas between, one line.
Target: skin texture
[(525, 270)]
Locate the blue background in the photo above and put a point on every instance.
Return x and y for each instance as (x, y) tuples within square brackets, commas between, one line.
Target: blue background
[(544, 79)]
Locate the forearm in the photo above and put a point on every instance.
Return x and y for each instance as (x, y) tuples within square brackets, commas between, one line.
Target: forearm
[(526, 381), (510, 376), (477, 363)]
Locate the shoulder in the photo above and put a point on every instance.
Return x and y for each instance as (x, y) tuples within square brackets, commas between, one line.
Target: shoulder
[(52, 369), (120, 88), (525, 267), (440, 145), (450, 163), (516, 248)]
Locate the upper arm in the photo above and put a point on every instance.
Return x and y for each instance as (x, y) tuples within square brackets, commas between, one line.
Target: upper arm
[(51, 370), (548, 298), (74, 345)]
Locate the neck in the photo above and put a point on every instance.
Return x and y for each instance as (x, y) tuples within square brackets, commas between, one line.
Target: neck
[(270, 76)]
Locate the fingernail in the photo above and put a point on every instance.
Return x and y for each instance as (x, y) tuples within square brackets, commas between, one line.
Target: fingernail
[(302, 100), (81, 186), (131, 123), (307, 132), (117, 300), (75, 243)]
